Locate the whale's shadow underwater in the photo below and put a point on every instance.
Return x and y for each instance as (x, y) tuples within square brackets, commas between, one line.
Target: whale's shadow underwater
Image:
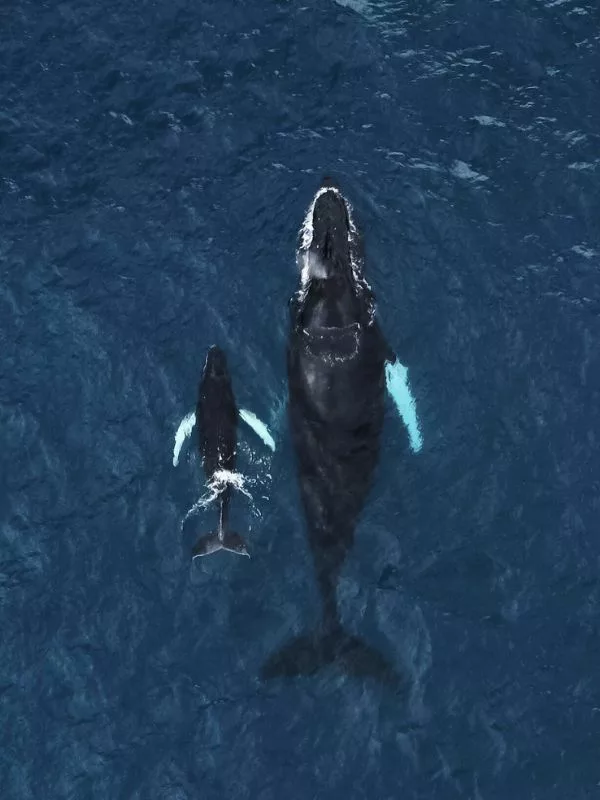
[(336, 364)]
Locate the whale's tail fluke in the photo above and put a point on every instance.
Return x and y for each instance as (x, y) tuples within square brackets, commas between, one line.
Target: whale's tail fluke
[(220, 540), (305, 655)]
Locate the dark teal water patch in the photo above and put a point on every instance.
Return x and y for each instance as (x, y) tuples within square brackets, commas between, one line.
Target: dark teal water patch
[(156, 161)]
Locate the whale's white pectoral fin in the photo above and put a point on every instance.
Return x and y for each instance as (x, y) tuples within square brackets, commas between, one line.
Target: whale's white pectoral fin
[(184, 431), (396, 378), (259, 428)]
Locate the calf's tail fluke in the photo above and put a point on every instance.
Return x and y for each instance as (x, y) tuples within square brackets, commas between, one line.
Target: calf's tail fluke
[(220, 540)]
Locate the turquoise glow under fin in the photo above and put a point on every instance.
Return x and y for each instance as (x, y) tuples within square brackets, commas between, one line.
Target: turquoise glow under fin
[(258, 427), (396, 378)]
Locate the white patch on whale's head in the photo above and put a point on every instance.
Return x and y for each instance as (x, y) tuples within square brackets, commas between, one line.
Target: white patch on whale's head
[(314, 266), (309, 262), (215, 365)]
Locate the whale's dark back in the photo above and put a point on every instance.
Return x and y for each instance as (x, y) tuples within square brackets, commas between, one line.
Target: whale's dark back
[(336, 378), (336, 408), (216, 415)]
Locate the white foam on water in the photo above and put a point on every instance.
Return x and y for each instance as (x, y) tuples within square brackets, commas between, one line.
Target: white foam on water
[(258, 427), (201, 503), (221, 479), (583, 166), (184, 431), (462, 170), (483, 119), (586, 252), (396, 377), (360, 6)]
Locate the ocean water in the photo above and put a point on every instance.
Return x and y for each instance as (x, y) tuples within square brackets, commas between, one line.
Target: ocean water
[(156, 161)]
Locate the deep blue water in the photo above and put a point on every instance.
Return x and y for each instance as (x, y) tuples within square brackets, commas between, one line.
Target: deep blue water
[(156, 161)]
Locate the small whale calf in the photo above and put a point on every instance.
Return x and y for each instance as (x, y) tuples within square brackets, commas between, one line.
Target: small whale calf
[(216, 420), (216, 417)]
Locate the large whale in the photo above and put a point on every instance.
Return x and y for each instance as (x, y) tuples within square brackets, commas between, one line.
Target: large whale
[(336, 361), (216, 420)]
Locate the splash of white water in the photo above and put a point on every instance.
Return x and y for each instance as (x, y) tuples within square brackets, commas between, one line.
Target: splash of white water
[(221, 479), (184, 431), (396, 376), (258, 427)]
